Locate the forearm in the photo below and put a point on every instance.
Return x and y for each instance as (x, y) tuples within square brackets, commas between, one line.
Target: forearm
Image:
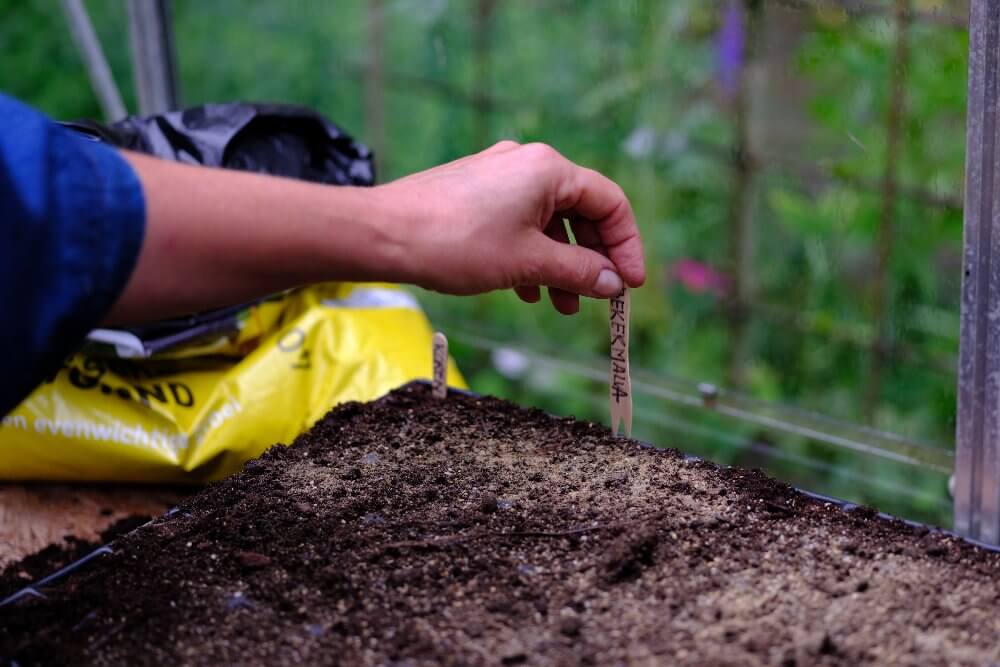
[(489, 221), (216, 237)]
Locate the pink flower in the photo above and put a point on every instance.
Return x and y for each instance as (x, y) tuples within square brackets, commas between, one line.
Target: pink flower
[(699, 278)]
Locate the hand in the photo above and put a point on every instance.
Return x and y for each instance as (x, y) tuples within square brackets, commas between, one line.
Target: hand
[(494, 220), (488, 221)]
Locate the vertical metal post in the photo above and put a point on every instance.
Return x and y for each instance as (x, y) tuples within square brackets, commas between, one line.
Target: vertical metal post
[(882, 288), (374, 88), (748, 21), (977, 457), (482, 57), (153, 55), (97, 66)]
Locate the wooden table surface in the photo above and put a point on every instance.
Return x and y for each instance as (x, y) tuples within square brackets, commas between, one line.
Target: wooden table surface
[(35, 515)]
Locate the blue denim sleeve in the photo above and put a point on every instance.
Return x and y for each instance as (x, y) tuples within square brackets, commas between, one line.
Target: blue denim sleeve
[(72, 219)]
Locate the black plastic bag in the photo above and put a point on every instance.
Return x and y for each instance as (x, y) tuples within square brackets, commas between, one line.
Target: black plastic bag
[(277, 139)]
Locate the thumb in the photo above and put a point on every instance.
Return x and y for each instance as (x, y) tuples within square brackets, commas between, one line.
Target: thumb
[(578, 270)]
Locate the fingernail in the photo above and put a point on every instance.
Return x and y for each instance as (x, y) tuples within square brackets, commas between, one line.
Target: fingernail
[(608, 283)]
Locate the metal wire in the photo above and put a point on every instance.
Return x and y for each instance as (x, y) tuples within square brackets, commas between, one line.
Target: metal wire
[(686, 427), (703, 431)]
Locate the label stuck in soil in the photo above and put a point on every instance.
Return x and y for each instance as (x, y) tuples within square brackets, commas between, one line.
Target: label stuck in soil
[(440, 384), (621, 383)]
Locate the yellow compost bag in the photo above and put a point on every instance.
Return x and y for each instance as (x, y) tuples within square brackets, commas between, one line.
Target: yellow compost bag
[(198, 411)]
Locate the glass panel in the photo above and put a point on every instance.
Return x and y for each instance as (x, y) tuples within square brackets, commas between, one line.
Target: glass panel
[(795, 165)]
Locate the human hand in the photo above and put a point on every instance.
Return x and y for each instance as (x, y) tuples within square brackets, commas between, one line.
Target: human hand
[(494, 220)]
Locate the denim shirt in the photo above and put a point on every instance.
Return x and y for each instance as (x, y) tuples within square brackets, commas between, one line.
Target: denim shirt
[(72, 219)]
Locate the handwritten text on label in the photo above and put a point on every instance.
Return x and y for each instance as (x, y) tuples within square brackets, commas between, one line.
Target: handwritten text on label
[(621, 383)]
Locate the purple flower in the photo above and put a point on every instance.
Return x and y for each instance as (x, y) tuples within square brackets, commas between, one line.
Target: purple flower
[(730, 44)]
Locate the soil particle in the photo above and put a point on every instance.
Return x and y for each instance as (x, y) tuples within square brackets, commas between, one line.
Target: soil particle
[(570, 626), (469, 531), (514, 655), (631, 555), (488, 505), (935, 550), (251, 560)]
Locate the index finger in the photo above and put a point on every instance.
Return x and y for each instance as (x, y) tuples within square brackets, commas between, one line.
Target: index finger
[(591, 197)]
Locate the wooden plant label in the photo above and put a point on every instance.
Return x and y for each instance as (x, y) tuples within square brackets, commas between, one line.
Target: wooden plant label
[(439, 388), (621, 383)]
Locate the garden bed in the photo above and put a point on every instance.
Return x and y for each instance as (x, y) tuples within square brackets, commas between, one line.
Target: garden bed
[(411, 531)]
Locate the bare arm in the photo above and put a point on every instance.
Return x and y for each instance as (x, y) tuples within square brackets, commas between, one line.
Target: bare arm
[(488, 221)]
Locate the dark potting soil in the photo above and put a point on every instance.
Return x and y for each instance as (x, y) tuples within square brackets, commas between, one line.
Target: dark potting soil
[(411, 531), (56, 556)]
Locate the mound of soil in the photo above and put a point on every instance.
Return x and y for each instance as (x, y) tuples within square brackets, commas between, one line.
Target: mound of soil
[(411, 531)]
